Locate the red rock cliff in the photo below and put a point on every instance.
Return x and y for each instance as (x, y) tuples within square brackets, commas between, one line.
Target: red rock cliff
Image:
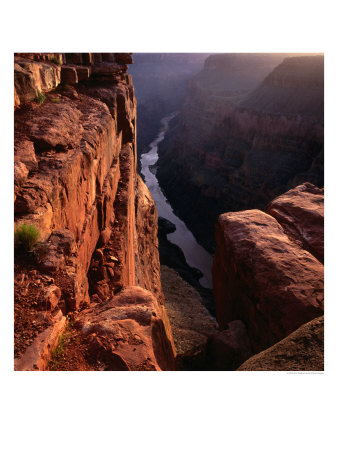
[(264, 272), (76, 181)]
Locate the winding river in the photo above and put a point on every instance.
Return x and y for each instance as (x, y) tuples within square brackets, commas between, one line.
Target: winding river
[(195, 254)]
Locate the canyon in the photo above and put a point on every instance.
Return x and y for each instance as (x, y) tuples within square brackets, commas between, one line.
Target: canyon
[(160, 80), (95, 292), (237, 143)]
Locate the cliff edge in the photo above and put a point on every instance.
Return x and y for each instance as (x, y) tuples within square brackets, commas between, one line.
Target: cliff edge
[(76, 183)]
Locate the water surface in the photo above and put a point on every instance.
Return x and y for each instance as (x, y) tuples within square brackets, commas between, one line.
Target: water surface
[(195, 254)]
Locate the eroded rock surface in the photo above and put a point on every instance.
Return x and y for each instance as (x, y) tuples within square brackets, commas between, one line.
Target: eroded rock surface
[(76, 181), (129, 332), (300, 211), (301, 350), (263, 278)]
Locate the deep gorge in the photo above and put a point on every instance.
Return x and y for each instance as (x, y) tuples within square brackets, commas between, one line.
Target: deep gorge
[(238, 155)]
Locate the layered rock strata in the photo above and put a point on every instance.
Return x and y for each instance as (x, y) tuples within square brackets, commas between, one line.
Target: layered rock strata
[(228, 150), (263, 275), (76, 182)]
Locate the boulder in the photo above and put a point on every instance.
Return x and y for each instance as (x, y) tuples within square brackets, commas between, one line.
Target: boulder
[(300, 211), (263, 278), (129, 332), (301, 350)]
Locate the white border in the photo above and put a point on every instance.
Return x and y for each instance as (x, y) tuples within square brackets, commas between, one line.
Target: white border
[(177, 410)]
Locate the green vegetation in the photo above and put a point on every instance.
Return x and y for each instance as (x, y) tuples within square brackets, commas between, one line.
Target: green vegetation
[(25, 236), (55, 100), (55, 60), (40, 98), (58, 353)]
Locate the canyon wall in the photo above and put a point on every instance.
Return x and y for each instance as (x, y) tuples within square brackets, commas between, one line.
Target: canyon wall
[(160, 81), (231, 149), (76, 181)]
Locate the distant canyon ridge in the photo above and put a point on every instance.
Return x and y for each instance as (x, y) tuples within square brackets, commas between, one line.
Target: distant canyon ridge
[(251, 127)]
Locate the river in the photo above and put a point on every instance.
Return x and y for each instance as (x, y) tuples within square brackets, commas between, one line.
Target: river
[(195, 254)]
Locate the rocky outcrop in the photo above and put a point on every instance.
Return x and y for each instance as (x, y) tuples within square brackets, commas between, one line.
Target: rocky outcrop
[(300, 211), (148, 271), (190, 321), (228, 150), (263, 277), (301, 350), (129, 332), (76, 182), (31, 76)]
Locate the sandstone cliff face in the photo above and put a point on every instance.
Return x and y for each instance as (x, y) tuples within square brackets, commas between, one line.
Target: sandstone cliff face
[(262, 274), (229, 151), (76, 179)]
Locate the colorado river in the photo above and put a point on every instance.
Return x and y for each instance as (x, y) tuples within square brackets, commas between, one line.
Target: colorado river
[(195, 254)]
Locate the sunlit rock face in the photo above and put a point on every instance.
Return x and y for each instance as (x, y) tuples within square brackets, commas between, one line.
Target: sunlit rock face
[(76, 181), (262, 274), (300, 211), (129, 332), (231, 148)]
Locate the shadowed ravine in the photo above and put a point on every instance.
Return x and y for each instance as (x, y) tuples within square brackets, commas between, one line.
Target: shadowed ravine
[(194, 253)]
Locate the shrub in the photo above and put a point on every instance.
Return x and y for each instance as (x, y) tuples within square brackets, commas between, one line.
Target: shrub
[(25, 236), (40, 98)]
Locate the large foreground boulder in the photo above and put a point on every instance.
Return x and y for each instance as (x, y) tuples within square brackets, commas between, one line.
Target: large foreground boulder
[(301, 350), (263, 278)]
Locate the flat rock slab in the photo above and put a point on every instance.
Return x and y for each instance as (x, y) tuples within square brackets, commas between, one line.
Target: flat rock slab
[(300, 211), (37, 355), (301, 350), (263, 278)]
